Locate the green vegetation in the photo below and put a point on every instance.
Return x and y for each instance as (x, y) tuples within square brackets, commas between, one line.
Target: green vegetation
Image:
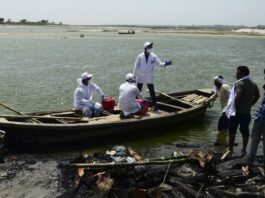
[(26, 22)]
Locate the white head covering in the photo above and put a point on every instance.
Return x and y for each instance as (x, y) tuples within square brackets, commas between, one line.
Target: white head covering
[(130, 78), (146, 44), (218, 79), (86, 75)]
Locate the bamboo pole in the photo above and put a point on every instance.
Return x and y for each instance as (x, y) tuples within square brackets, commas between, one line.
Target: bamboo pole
[(172, 98), (125, 164), (45, 117), (17, 112)]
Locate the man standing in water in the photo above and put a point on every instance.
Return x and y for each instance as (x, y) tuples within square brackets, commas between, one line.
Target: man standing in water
[(144, 70), (243, 96), (223, 91), (258, 131)]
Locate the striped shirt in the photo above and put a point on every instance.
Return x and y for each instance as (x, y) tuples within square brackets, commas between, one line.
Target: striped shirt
[(260, 113)]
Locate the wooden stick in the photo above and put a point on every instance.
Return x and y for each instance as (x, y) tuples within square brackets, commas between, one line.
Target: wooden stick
[(44, 117), (10, 108), (137, 163), (17, 112), (171, 106), (173, 98)]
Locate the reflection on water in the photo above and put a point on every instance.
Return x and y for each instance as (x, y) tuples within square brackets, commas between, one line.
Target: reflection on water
[(39, 67)]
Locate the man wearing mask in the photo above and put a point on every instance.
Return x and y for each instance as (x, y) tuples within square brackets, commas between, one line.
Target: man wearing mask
[(243, 96), (144, 70), (83, 96)]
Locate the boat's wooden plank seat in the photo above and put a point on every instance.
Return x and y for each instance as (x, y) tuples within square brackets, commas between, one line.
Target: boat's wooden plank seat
[(67, 113), (200, 100), (194, 98), (58, 120), (116, 117), (3, 120)]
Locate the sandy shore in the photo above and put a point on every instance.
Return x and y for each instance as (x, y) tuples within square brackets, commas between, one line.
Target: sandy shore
[(29, 176)]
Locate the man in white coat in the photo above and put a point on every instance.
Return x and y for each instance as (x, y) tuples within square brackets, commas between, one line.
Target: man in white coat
[(144, 70), (83, 96), (128, 93)]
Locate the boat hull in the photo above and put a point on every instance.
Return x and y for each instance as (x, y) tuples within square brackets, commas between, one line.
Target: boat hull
[(39, 134)]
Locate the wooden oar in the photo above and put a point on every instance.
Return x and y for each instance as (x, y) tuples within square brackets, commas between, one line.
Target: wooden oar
[(85, 119), (17, 112), (173, 98)]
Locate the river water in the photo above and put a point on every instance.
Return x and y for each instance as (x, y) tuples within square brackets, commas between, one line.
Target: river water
[(39, 67)]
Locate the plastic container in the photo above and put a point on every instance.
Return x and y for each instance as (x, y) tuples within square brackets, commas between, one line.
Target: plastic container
[(108, 103), (145, 106)]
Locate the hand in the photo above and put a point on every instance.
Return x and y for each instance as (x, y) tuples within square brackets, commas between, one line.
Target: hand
[(168, 63)]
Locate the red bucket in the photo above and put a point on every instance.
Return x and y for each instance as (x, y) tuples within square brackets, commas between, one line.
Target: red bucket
[(143, 103), (108, 103)]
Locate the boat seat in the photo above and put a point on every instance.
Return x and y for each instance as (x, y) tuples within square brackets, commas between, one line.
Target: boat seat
[(3, 120)]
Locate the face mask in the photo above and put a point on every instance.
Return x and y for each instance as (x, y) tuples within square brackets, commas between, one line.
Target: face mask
[(149, 50)]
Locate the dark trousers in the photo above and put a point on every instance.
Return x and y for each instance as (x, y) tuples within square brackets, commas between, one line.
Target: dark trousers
[(151, 89), (223, 122), (242, 120)]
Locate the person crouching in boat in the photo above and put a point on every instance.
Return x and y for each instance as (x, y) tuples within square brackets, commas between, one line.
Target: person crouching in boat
[(83, 96), (128, 93)]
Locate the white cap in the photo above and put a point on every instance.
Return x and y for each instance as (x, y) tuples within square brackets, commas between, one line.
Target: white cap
[(146, 44), (130, 77), (2, 132), (86, 75), (219, 79)]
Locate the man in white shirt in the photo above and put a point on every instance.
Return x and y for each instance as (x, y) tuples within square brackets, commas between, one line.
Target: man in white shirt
[(223, 91), (128, 93), (144, 70), (83, 96)]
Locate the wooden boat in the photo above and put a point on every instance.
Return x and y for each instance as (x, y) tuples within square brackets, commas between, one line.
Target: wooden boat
[(68, 127), (126, 32)]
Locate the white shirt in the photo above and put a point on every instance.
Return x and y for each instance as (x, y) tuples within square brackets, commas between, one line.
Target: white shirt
[(128, 93), (83, 94), (144, 70), (223, 94)]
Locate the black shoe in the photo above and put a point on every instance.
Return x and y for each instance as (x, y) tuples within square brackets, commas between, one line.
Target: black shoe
[(122, 115), (155, 108)]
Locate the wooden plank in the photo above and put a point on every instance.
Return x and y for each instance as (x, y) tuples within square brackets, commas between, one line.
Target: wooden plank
[(171, 106), (47, 117), (173, 98)]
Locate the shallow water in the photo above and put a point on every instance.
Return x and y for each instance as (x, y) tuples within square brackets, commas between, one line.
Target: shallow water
[(39, 67)]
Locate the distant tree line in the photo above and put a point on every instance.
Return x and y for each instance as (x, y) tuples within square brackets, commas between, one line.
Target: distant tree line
[(26, 22)]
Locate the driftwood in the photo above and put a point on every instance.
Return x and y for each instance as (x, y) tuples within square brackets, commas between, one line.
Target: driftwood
[(224, 193), (186, 178), (185, 188)]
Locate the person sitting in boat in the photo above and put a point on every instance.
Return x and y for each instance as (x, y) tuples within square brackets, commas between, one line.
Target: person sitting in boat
[(128, 93), (83, 96)]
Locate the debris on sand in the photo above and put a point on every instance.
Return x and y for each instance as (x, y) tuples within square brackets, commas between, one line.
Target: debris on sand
[(192, 174)]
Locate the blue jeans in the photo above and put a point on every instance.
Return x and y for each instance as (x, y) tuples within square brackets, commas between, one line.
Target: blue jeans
[(241, 119), (257, 131)]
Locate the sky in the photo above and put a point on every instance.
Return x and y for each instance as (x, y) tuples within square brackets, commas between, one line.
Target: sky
[(137, 12)]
